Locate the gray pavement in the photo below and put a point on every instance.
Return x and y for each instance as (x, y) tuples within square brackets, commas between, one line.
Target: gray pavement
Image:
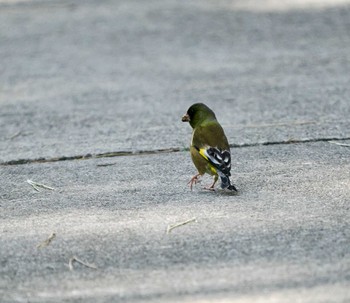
[(83, 78)]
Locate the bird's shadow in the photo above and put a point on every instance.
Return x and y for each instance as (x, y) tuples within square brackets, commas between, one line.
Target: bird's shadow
[(219, 191)]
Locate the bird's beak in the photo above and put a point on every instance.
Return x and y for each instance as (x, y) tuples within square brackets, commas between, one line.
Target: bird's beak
[(185, 118)]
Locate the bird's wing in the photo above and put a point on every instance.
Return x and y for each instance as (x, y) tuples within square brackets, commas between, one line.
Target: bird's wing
[(211, 143), (220, 159)]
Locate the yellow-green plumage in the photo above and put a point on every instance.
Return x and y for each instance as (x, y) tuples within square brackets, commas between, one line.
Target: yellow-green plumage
[(207, 133)]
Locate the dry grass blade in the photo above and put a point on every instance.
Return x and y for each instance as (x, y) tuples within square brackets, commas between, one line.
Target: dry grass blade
[(70, 263), (36, 185), (74, 258), (47, 241), (172, 226), (15, 135), (33, 185), (340, 144)]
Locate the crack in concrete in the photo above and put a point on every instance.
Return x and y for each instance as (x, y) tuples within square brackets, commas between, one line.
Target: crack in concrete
[(160, 151)]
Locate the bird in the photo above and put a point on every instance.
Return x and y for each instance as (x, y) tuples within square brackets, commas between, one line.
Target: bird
[(209, 148)]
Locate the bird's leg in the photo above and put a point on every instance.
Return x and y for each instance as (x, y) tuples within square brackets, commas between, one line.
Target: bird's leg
[(211, 187), (194, 180)]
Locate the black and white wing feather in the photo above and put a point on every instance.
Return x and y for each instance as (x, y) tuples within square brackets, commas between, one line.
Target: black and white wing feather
[(221, 161)]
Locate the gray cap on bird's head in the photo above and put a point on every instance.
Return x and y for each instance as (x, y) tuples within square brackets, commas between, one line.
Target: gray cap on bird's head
[(197, 113)]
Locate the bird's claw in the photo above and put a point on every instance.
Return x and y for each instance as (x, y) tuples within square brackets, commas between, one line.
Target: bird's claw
[(194, 180), (211, 188)]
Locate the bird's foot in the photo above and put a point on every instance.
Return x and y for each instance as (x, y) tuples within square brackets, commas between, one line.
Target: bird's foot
[(194, 180), (211, 188)]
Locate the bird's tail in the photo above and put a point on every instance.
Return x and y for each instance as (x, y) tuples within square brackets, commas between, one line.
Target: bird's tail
[(225, 182)]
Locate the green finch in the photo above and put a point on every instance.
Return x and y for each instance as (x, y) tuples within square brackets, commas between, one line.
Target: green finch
[(209, 148)]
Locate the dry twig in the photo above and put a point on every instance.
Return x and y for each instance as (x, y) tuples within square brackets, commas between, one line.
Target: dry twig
[(172, 226), (15, 135), (36, 185), (47, 241), (74, 258)]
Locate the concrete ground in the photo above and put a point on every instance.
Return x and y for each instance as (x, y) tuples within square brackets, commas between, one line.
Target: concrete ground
[(91, 98)]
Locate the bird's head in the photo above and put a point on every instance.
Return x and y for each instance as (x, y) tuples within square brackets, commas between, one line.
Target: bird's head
[(197, 114)]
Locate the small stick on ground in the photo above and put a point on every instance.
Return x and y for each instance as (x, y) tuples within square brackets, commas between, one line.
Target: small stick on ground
[(36, 185), (74, 258), (172, 226), (340, 144), (15, 135), (47, 241)]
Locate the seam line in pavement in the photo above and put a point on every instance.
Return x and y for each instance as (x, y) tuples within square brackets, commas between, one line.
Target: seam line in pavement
[(160, 151)]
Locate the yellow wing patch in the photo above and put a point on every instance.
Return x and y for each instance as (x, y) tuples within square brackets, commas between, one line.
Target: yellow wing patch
[(202, 153)]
